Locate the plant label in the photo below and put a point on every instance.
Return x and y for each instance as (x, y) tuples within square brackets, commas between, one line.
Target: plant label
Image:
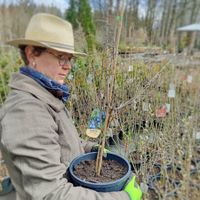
[(74, 96), (171, 93), (70, 77), (93, 133), (134, 105), (115, 123), (171, 86), (196, 135), (189, 79), (101, 95), (130, 68), (130, 80), (144, 187), (145, 106), (160, 113), (89, 79), (168, 107)]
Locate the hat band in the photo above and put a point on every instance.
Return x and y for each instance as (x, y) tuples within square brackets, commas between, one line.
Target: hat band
[(59, 45)]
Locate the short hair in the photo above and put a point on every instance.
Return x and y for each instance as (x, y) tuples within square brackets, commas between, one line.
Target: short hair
[(37, 51)]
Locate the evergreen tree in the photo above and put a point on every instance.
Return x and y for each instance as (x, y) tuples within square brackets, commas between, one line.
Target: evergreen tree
[(72, 13), (85, 17)]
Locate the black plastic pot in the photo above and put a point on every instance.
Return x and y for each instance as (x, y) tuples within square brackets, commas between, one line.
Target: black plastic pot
[(168, 167), (100, 187), (156, 178)]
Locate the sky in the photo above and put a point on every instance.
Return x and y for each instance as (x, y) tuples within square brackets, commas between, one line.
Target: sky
[(61, 4)]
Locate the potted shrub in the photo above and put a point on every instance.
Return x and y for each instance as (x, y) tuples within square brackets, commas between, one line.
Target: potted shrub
[(115, 172), (95, 160)]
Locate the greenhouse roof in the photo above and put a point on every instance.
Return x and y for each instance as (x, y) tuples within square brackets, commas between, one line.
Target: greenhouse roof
[(191, 27)]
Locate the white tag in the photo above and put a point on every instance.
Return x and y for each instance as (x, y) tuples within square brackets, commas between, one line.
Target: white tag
[(145, 106), (130, 68), (171, 86), (130, 80), (70, 77), (189, 79), (168, 107), (74, 96), (196, 135), (101, 95), (134, 105), (171, 93), (115, 123), (89, 79), (144, 187)]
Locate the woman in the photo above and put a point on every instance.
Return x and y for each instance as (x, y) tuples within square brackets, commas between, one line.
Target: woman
[(38, 138)]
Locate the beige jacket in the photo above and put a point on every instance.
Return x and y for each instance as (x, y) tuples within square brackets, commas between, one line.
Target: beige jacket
[(38, 141)]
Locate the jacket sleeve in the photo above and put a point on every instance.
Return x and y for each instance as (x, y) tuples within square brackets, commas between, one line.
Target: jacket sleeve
[(29, 137), (86, 145)]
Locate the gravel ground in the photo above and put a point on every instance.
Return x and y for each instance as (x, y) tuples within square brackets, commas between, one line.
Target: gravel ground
[(180, 60)]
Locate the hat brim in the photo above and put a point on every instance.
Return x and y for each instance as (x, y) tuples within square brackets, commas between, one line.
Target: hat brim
[(58, 47)]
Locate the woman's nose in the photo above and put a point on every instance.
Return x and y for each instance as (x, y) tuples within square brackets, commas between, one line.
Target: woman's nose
[(67, 66)]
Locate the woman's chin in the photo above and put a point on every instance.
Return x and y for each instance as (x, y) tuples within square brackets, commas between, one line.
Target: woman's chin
[(61, 82)]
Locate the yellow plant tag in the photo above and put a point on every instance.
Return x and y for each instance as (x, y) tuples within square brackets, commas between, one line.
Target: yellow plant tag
[(93, 133)]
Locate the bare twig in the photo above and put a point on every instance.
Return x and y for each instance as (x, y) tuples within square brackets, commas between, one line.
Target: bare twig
[(141, 91), (110, 95)]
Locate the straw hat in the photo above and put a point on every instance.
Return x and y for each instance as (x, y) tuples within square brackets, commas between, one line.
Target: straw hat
[(50, 31)]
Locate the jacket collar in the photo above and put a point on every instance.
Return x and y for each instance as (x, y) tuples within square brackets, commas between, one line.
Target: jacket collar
[(24, 83)]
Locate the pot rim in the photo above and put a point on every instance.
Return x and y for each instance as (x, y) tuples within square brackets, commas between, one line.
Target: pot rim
[(99, 184)]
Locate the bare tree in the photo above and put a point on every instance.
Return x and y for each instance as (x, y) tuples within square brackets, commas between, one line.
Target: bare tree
[(150, 16), (193, 18)]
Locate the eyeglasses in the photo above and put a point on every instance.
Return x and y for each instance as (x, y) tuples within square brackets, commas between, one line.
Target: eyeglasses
[(62, 59)]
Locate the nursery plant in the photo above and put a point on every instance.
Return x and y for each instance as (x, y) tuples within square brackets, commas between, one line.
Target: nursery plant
[(157, 132), (148, 138), (9, 62), (110, 91)]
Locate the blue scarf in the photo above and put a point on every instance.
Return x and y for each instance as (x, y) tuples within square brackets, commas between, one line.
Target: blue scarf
[(51, 85)]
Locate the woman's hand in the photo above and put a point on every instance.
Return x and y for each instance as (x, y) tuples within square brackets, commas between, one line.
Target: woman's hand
[(133, 189)]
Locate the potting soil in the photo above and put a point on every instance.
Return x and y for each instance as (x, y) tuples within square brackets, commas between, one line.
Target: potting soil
[(111, 171)]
